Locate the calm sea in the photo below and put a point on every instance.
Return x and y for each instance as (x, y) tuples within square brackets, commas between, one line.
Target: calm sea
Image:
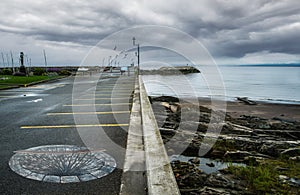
[(272, 84)]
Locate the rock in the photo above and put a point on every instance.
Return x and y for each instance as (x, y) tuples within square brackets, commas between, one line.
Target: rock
[(171, 151), (218, 180), (195, 161), (278, 168), (291, 152), (237, 155), (246, 100), (208, 190), (174, 108), (295, 158), (290, 181), (210, 164), (264, 126), (283, 177), (252, 160), (272, 149), (294, 181), (165, 104)]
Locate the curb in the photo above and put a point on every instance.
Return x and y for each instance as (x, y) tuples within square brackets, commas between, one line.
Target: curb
[(42, 81), (133, 179)]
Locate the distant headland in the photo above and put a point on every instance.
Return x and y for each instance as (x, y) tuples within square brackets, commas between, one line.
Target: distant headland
[(171, 70)]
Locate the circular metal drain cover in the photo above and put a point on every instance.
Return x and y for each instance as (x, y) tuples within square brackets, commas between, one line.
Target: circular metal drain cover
[(62, 163)]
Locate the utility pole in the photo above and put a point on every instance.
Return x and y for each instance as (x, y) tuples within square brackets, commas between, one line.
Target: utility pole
[(7, 59), (29, 65), (45, 59), (138, 53), (27, 62), (3, 59), (12, 61)]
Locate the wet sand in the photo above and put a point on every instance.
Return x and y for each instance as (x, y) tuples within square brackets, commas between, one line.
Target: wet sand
[(261, 109)]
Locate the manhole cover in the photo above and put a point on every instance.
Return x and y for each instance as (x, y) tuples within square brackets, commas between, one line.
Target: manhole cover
[(62, 163)]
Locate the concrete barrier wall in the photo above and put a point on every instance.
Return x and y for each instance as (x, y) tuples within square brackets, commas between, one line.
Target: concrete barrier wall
[(160, 177)]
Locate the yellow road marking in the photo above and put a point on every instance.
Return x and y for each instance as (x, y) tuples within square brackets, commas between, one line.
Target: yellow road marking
[(101, 98), (115, 89), (116, 85), (98, 113), (107, 95), (73, 126), (112, 91), (119, 104)]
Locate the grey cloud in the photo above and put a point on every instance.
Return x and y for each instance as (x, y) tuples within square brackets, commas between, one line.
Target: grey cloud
[(228, 28)]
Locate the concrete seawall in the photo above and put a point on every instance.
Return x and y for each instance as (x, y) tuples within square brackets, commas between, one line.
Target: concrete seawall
[(145, 149)]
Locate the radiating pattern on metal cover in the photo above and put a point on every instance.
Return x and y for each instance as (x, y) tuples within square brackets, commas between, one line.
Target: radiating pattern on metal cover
[(62, 163)]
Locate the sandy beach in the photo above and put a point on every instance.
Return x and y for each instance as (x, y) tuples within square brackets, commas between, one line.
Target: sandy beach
[(289, 112)]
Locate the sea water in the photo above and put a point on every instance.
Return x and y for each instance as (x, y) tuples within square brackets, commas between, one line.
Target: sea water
[(280, 84)]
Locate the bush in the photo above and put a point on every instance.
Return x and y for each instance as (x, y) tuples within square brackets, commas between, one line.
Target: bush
[(52, 74), (57, 70), (38, 71), (64, 73), (6, 71), (19, 74)]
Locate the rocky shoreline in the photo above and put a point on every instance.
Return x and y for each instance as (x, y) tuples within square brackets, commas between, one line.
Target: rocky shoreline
[(176, 70), (261, 139)]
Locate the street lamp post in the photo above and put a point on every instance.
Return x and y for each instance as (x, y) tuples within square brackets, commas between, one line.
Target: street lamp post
[(138, 53)]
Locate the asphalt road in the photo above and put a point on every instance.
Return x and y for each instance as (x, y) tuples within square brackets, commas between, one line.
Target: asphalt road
[(43, 115)]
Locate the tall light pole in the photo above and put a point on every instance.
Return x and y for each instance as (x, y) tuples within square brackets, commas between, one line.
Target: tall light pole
[(45, 58), (3, 60), (12, 60), (138, 53)]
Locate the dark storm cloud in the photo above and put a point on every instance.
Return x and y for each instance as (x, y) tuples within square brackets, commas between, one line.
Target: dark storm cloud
[(228, 28)]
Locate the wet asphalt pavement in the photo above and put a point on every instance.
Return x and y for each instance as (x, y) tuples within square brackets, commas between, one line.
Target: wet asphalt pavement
[(42, 115)]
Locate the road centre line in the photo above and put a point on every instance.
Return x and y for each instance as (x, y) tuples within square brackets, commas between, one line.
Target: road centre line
[(107, 95), (102, 98), (123, 91), (113, 89), (118, 85), (82, 113), (117, 104), (73, 126)]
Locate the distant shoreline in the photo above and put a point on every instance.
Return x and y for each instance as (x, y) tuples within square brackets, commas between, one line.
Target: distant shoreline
[(175, 65), (262, 65)]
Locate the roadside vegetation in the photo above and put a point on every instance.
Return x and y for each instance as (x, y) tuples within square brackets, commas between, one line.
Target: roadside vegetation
[(9, 79)]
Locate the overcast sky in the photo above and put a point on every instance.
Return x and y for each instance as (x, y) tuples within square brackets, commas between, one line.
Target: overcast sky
[(233, 31)]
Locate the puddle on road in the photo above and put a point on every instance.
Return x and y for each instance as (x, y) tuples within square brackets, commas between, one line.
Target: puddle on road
[(35, 101), (31, 95), (206, 165)]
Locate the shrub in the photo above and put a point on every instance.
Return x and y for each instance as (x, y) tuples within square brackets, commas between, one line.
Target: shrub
[(52, 74), (53, 70), (64, 73), (38, 71), (19, 74), (6, 71)]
